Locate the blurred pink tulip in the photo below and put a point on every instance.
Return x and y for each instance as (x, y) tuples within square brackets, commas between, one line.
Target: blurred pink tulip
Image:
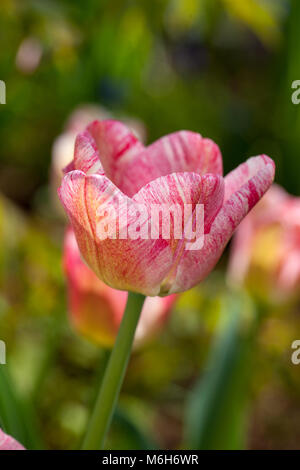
[(266, 247), (112, 169), (96, 310), (9, 443), (29, 55)]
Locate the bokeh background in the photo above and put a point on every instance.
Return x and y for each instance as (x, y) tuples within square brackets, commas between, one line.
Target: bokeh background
[(223, 68)]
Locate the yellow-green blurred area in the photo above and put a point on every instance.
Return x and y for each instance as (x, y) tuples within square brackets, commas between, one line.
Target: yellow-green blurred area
[(223, 68)]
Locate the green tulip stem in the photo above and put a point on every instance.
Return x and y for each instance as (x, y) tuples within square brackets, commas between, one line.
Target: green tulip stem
[(110, 387)]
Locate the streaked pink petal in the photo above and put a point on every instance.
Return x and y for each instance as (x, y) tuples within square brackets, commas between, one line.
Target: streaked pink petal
[(125, 264), (86, 156), (111, 147), (196, 265), (179, 152), (69, 167), (243, 173), (142, 264), (105, 146), (182, 189)]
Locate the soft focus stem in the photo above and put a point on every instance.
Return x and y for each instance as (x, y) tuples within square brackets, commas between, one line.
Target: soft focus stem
[(114, 375)]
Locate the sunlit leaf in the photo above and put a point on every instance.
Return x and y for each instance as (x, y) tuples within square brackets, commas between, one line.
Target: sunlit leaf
[(258, 17)]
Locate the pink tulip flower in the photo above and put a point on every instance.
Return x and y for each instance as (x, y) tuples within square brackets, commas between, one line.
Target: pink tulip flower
[(96, 310), (112, 169), (267, 244), (9, 443)]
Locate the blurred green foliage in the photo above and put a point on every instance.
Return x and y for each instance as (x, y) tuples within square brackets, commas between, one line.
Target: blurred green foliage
[(220, 67)]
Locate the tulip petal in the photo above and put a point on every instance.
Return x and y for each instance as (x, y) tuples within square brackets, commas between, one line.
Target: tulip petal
[(134, 264), (244, 172), (178, 152), (254, 177), (183, 189), (106, 144), (86, 156), (124, 264), (111, 147)]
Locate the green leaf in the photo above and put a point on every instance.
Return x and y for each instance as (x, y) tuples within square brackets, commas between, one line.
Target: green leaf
[(216, 414), (16, 417)]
